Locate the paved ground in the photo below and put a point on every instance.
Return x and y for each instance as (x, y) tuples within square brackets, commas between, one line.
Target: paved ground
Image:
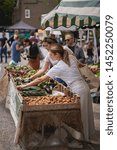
[(7, 130)]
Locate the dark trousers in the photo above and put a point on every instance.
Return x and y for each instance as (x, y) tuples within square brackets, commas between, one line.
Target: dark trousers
[(3, 51)]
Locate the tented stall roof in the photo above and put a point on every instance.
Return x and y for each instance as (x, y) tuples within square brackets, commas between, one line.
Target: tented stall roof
[(73, 12), (21, 26)]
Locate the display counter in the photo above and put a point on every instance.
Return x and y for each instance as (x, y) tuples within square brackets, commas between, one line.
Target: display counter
[(36, 124)]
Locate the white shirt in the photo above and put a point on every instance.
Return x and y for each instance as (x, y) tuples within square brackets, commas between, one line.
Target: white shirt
[(48, 59), (44, 51), (71, 75)]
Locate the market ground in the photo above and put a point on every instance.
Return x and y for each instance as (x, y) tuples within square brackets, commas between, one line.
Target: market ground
[(7, 130)]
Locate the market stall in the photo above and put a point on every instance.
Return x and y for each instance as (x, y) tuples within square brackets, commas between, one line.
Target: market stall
[(41, 113), (21, 26), (91, 74), (77, 13)]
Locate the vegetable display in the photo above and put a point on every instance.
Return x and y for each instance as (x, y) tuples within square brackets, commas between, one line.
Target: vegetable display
[(46, 100), (39, 90), (42, 94), (20, 71), (95, 69)]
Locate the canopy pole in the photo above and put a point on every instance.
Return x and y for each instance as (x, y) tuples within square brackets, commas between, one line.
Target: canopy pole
[(96, 58), (87, 35), (80, 37)]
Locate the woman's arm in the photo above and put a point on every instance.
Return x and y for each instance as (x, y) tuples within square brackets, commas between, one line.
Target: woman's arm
[(41, 71), (34, 82), (19, 47)]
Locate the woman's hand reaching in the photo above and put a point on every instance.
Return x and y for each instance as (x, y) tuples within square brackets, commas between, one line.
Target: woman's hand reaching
[(19, 87)]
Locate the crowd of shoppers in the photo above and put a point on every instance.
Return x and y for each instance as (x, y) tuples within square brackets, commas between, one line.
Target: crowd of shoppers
[(60, 62)]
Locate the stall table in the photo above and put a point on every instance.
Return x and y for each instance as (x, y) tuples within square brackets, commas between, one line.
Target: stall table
[(35, 123)]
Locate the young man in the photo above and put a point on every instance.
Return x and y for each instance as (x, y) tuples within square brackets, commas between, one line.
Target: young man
[(16, 49)]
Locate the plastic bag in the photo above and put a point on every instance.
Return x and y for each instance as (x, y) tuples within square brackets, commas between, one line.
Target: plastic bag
[(3, 85), (2, 72), (89, 77)]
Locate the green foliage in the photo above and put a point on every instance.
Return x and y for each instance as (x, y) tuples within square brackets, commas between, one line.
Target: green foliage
[(6, 10), (8, 5)]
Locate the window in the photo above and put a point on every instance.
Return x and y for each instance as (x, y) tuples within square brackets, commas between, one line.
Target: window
[(27, 13)]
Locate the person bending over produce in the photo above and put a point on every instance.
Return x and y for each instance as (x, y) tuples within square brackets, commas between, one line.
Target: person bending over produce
[(67, 70), (48, 62)]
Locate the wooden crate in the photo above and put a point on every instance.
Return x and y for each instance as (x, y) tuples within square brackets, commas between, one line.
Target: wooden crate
[(30, 119)]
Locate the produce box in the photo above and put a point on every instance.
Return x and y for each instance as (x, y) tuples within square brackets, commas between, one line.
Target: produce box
[(33, 115), (20, 71), (64, 100)]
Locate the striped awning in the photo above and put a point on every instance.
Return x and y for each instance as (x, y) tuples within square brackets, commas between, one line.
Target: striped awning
[(73, 12)]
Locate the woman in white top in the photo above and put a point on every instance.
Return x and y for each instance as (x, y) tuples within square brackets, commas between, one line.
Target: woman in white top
[(67, 70), (48, 62)]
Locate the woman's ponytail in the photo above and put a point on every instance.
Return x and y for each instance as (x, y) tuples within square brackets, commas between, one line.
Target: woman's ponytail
[(66, 57)]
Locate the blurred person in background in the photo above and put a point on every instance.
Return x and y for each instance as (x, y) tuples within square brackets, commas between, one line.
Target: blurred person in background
[(26, 44), (10, 41), (85, 45), (16, 49), (32, 34), (90, 51), (32, 53), (0, 48), (48, 62), (53, 37), (3, 42), (73, 46)]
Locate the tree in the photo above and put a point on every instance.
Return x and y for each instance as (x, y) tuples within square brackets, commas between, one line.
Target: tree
[(6, 10)]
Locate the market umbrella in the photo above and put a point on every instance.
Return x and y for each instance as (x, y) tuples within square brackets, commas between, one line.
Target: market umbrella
[(73, 12), (62, 28), (21, 26)]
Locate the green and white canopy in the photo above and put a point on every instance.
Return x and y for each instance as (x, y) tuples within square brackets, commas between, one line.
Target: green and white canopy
[(73, 12)]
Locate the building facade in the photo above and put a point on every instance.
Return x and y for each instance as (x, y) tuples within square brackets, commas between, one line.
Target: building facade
[(30, 11)]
